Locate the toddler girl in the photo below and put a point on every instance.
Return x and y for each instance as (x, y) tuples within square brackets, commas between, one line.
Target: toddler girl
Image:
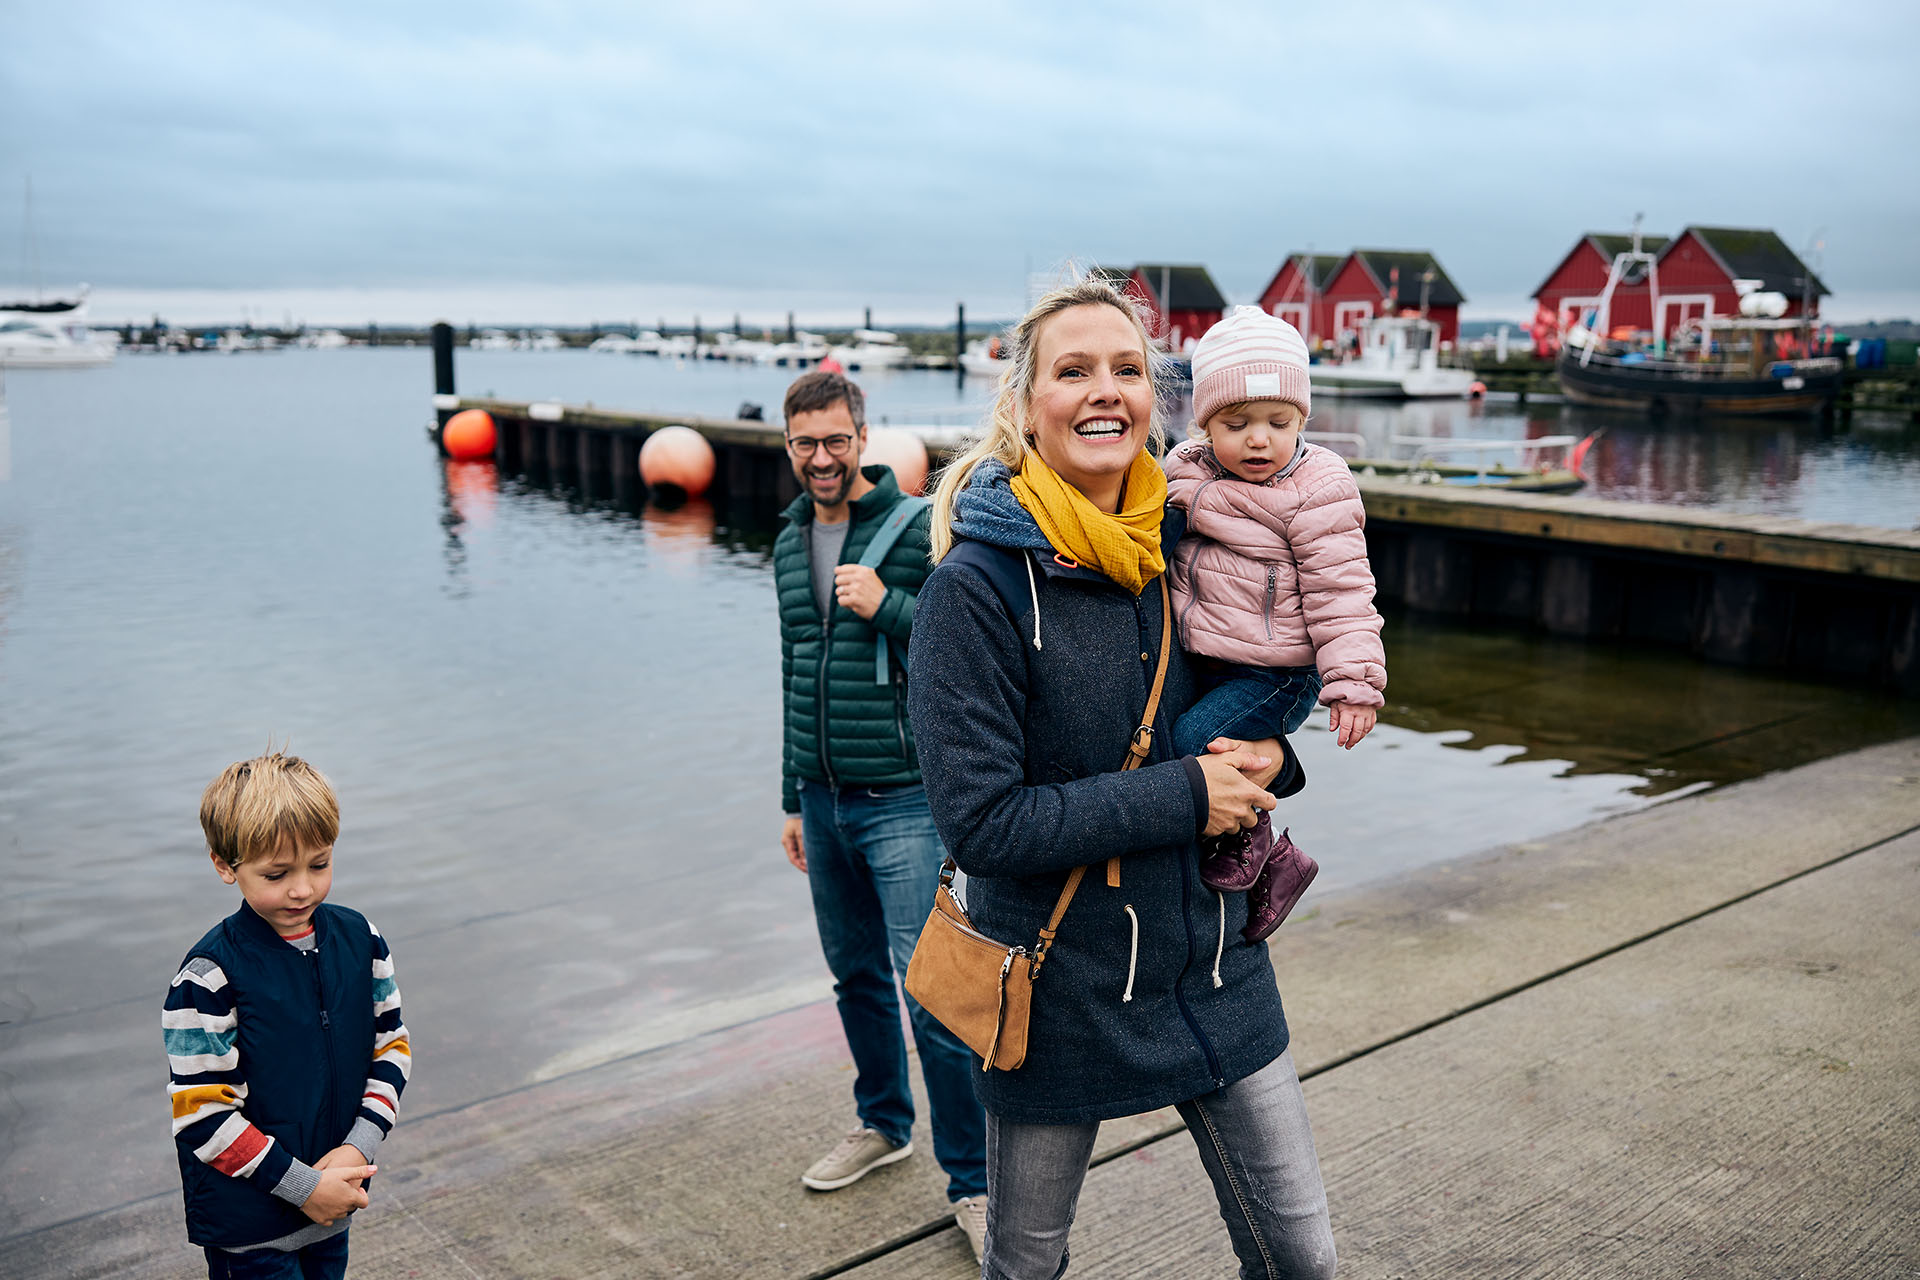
[(1271, 582)]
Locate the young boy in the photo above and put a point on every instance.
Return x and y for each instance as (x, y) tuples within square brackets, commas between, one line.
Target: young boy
[(283, 1037)]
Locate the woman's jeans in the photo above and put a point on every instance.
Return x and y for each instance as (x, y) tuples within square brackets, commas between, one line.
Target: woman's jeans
[(873, 863), (1256, 1146), (1247, 703)]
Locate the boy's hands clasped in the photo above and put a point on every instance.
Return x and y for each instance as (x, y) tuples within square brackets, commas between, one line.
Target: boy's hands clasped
[(343, 1174)]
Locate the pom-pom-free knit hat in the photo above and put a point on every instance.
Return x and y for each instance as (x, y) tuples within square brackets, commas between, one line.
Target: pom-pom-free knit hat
[(1250, 355)]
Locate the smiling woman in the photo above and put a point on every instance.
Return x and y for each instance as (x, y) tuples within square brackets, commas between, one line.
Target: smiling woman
[(1045, 742)]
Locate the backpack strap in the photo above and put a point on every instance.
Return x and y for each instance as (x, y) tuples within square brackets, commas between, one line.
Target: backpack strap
[(884, 537)]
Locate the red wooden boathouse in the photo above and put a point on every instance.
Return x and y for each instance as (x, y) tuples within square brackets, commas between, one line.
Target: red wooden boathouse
[(1298, 294), (1184, 300), (1702, 272)]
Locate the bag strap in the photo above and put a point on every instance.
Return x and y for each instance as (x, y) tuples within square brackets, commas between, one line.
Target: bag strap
[(884, 537)]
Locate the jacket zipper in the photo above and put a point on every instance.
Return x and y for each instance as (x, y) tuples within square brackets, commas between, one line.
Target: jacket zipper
[(826, 654), (1179, 986), (1270, 575), (899, 710), (326, 1023)]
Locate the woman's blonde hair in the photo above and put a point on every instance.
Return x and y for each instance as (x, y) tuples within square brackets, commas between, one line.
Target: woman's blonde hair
[(1004, 433)]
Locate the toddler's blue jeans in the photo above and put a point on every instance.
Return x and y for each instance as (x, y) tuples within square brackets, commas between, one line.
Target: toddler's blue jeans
[(1247, 703)]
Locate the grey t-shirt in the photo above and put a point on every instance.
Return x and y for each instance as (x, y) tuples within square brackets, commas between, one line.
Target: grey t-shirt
[(827, 540)]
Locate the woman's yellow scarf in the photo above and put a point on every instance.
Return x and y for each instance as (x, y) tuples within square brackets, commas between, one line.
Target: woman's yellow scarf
[(1125, 547)]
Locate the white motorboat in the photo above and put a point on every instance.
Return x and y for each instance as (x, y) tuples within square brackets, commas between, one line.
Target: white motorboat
[(984, 357), (50, 335), (492, 340), (1399, 359), (806, 351), (325, 340), (614, 344), (871, 349)]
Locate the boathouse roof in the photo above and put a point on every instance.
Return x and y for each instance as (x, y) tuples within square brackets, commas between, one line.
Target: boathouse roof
[(1318, 268), (1189, 288), (1380, 264), (1609, 245), (1756, 253)]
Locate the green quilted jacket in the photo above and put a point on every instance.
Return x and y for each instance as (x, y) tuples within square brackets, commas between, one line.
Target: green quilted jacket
[(842, 728)]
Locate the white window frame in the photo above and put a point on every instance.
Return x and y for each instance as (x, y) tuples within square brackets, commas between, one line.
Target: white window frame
[(1294, 313), (1347, 314)]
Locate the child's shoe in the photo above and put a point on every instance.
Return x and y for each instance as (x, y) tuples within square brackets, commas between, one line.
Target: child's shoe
[(1288, 873), (1230, 863)]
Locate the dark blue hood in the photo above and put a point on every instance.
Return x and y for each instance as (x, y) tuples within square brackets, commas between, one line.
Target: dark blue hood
[(987, 511)]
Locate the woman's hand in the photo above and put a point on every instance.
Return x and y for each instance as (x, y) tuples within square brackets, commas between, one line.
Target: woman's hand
[(1269, 747), (1233, 798)]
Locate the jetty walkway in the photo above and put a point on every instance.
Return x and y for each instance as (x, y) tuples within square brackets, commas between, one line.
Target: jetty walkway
[(1679, 1042)]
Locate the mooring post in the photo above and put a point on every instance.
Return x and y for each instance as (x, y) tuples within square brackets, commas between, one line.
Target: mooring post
[(960, 339), (444, 399)]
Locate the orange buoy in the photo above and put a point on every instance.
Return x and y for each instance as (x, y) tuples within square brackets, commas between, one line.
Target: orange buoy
[(677, 456), (905, 452), (1477, 391), (469, 435)]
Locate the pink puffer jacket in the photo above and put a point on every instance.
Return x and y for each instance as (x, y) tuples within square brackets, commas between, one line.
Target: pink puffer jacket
[(1278, 576)]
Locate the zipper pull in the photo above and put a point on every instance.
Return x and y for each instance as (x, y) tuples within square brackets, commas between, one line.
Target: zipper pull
[(324, 1024)]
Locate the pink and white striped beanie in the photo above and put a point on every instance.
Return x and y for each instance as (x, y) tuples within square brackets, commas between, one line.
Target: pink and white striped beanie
[(1250, 355)]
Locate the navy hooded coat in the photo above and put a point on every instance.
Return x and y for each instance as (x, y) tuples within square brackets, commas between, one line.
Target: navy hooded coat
[(1020, 747)]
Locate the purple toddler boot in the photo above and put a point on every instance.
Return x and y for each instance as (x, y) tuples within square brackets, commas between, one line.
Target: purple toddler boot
[(1230, 863), (1287, 874)]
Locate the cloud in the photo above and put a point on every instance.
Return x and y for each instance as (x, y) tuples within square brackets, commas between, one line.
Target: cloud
[(932, 154)]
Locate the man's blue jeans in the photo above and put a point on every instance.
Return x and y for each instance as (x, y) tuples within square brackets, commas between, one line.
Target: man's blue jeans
[(873, 862)]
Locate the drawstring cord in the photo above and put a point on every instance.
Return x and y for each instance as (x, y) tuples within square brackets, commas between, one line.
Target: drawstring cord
[(1133, 955), (1035, 589), (1221, 945)]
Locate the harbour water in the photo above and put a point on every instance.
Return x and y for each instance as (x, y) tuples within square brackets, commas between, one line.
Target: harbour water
[(554, 723)]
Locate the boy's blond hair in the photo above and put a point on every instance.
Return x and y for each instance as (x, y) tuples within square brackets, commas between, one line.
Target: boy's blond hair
[(256, 806)]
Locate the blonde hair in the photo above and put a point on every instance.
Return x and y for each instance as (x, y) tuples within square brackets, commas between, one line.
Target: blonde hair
[(1004, 435), (255, 806)]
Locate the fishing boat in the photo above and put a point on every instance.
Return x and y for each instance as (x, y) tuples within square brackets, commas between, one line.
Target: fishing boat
[(50, 335), (1760, 361), (1398, 359)]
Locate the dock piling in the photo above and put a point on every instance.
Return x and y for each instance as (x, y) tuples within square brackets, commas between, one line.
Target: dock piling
[(445, 402)]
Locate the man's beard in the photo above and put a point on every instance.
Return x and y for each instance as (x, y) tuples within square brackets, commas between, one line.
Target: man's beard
[(838, 494)]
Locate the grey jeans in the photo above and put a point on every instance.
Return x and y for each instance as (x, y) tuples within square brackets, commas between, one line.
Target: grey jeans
[(1256, 1146)]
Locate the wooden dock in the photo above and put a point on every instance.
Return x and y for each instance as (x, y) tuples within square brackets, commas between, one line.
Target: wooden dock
[(1833, 601)]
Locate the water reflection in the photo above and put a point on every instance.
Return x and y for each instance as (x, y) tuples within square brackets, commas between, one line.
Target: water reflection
[(468, 495)]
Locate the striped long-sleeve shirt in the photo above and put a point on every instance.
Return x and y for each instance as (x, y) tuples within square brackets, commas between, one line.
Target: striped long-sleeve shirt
[(210, 1086)]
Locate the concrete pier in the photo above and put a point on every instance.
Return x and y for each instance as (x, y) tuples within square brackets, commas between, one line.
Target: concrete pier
[(1674, 1043)]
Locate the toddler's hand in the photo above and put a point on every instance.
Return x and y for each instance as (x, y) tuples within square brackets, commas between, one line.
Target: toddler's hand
[(339, 1193), (1351, 723)]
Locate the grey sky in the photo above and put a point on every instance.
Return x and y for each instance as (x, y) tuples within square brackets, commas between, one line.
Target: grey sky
[(616, 159)]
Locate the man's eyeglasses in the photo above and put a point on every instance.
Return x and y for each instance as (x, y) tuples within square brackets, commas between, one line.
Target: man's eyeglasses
[(803, 446)]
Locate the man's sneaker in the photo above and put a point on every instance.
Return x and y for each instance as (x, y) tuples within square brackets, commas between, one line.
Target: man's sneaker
[(859, 1153), (971, 1213)]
